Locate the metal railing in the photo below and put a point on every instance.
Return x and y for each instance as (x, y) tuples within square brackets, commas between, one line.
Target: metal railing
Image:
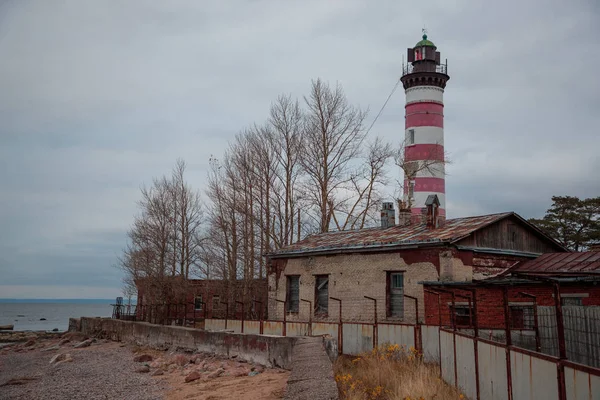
[(410, 68)]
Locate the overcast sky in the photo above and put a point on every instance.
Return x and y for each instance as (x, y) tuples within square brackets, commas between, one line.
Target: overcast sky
[(97, 97)]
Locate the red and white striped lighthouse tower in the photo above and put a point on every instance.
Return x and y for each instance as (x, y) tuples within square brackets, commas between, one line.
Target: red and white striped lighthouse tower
[(424, 79)]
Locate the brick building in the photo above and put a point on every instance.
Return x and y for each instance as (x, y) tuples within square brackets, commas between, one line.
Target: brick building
[(574, 276), (387, 264), (213, 298)]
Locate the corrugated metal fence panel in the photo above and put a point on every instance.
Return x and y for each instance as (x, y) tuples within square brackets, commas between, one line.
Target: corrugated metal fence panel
[(533, 378), (403, 335), (431, 343), (492, 372), (214, 324), (234, 325), (324, 328), (581, 385), (582, 334), (296, 329), (252, 327), (465, 364), (447, 363), (273, 328), (358, 338)]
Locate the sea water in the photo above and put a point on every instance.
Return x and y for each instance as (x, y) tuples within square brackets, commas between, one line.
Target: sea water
[(27, 314)]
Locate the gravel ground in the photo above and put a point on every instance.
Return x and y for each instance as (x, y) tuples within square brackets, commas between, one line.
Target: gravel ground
[(102, 371)]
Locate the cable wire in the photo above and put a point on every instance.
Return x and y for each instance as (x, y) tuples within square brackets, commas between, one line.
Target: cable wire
[(384, 104)]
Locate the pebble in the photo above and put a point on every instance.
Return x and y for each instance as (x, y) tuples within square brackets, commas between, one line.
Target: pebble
[(143, 369), (143, 358), (85, 343), (193, 376)]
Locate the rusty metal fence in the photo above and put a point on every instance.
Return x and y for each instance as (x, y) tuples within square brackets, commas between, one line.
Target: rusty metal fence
[(519, 349), (538, 353)]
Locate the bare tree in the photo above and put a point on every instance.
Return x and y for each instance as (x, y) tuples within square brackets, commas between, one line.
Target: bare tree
[(165, 239), (333, 134), (360, 205), (286, 119)]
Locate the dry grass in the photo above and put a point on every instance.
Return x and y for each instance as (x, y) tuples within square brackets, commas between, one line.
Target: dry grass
[(392, 373)]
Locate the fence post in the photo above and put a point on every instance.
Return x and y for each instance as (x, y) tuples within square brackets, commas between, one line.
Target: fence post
[(508, 341), (417, 334), (260, 315), (375, 339), (283, 330), (340, 328), (474, 321), (226, 312), (309, 316), (242, 303), (562, 350)]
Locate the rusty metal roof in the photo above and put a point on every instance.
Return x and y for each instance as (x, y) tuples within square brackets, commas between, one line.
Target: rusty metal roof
[(562, 264), (378, 238)]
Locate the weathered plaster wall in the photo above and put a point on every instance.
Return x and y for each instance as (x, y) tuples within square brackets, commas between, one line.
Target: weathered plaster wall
[(262, 349), (351, 277)]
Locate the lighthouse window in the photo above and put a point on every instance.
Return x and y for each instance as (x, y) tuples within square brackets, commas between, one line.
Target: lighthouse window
[(411, 136), (424, 52)]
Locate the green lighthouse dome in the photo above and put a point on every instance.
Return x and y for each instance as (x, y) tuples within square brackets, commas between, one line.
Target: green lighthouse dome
[(425, 42)]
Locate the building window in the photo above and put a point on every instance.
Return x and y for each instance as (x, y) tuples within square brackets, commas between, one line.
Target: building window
[(462, 315), (571, 301), (411, 190), (396, 294), (411, 136), (521, 317), (293, 293), (216, 302), (321, 294), (198, 303)]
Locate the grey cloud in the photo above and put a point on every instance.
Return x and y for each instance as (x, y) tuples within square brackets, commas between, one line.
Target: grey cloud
[(96, 99)]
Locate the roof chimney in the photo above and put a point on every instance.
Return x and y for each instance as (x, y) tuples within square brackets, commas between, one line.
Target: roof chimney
[(432, 205), (404, 214), (388, 215), (594, 247)]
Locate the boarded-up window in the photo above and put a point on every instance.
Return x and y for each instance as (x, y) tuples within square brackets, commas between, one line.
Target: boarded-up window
[(396, 294), (293, 293), (462, 315), (321, 294), (216, 302), (198, 302), (521, 317), (571, 301)]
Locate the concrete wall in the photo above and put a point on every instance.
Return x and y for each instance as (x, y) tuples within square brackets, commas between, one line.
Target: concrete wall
[(266, 350)]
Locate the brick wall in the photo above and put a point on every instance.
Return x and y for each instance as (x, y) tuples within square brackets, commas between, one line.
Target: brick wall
[(215, 291), (490, 301)]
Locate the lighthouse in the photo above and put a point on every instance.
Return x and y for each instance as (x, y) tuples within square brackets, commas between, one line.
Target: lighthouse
[(424, 78)]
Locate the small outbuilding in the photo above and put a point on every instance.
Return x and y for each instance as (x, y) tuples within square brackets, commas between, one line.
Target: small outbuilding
[(380, 268)]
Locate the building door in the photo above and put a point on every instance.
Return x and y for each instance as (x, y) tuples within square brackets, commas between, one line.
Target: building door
[(397, 295)]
